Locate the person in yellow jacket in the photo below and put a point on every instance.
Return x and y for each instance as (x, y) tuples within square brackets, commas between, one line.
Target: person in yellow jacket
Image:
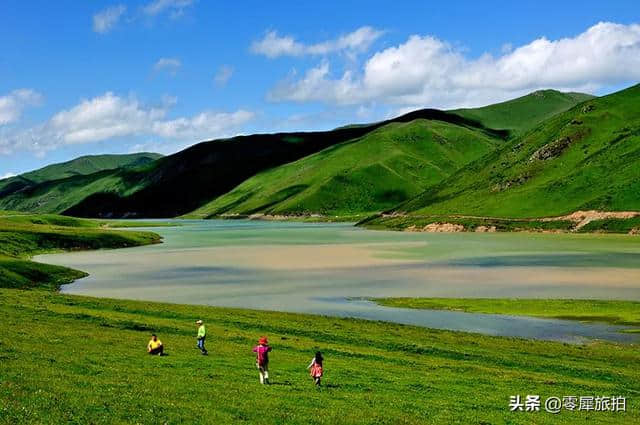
[(202, 334), (155, 346)]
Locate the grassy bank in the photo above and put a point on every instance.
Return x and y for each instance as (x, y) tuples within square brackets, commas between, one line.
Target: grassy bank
[(615, 312), (24, 235), (69, 359), (402, 222), (470, 224)]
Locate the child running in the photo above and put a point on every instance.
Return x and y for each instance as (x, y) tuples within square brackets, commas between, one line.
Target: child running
[(316, 368), (262, 359)]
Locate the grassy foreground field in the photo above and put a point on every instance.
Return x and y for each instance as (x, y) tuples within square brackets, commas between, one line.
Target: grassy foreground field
[(615, 312), (67, 359)]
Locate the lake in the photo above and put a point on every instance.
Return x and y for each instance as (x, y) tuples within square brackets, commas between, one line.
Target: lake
[(332, 268)]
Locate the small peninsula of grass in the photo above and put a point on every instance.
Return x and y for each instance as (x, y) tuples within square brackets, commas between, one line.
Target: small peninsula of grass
[(24, 235), (626, 313)]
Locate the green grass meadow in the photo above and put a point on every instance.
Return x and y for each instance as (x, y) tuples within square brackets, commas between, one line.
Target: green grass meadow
[(69, 359)]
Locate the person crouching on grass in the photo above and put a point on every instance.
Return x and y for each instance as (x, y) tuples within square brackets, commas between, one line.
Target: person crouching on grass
[(262, 359), (155, 346), (202, 334), (315, 368)]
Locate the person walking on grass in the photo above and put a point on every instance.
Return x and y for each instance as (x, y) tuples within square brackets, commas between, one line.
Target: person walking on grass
[(202, 334), (155, 346), (315, 368), (262, 359)]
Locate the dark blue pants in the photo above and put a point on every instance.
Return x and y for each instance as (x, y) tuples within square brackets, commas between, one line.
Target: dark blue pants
[(201, 345)]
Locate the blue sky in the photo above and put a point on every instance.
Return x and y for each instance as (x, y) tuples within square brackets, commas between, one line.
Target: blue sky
[(88, 77)]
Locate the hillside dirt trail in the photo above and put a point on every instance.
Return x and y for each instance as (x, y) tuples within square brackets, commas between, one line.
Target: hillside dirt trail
[(582, 218)]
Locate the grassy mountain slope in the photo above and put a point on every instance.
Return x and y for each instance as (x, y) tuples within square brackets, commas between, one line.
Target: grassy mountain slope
[(372, 173), (56, 196), (587, 158), (524, 113), (387, 166), (80, 166), (184, 181)]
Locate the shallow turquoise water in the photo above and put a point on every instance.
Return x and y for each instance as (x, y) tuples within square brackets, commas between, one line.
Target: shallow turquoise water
[(319, 268)]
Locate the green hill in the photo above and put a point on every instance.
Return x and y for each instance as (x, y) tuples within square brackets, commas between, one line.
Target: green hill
[(179, 183), (353, 170), (83, 165), (524, 113), (587, 158), (387, 166), (371, 173)]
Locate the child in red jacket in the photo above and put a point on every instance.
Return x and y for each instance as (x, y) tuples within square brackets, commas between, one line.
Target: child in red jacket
[(262, 359), (315, 368)]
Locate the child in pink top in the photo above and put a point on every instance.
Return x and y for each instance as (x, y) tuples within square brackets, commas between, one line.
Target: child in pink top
[(315, 368), (262, 359)]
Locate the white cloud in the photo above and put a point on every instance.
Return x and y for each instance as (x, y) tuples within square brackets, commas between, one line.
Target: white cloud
[(175, 8), (171, 65), (427, 71), (106, 19), (7, 175), (201, 126), (223, 75), (110, 117), (274, 45), (12, 105)]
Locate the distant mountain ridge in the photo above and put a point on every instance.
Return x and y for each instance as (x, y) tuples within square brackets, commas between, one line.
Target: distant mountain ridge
[(352, 170), (586, 158), (179, 183), (387, 166), (524, 113), (83, 165)]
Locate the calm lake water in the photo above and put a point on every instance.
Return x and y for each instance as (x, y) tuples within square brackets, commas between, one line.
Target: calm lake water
[(321, 268)]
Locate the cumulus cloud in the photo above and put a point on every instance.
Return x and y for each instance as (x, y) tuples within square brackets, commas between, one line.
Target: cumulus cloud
[(202, 125), (110, 116), (175, 8), (425, 70), (170, 65), (223, 75), (106, 19), (274, 45), (12, 104), (7, 175)]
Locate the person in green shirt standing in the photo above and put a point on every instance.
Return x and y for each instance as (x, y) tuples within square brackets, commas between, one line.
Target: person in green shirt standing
[(202, 334)]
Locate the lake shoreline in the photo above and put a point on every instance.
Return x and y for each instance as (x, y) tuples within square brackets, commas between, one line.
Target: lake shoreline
[(250, 264), (598, 222), (615, 312)]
